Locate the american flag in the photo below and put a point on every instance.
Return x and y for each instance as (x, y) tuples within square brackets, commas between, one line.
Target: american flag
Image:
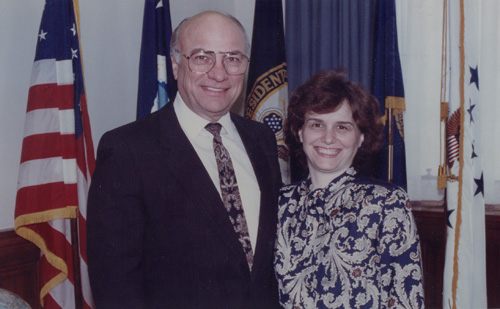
[(57, 159)]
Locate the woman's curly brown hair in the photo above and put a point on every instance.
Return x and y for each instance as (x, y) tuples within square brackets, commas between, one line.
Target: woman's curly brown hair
[(323, 93)]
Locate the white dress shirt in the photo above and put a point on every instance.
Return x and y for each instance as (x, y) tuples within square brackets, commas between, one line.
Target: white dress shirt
[(202, 141)]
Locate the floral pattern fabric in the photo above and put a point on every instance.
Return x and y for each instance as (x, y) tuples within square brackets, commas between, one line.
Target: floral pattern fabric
[(353, 244)]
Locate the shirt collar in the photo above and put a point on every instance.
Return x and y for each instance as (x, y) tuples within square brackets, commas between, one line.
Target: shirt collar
[(192, 124), (306, 187)]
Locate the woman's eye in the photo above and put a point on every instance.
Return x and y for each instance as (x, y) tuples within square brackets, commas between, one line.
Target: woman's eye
[(342, 127)]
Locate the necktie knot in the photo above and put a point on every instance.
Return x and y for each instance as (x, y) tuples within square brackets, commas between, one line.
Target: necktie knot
[(214, 128)]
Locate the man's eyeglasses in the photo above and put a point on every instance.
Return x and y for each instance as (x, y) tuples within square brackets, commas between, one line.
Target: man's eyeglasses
[(202, 61)]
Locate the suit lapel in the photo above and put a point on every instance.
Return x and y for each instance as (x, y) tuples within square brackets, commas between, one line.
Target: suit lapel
[(183, 162)]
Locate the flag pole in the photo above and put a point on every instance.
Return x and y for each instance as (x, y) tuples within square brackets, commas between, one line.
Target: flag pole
[(388, 88), (75, 245), (390, 146), (76, 262)]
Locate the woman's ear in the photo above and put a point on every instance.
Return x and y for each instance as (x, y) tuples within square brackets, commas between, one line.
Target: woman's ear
[(300, 136), (361, 140)]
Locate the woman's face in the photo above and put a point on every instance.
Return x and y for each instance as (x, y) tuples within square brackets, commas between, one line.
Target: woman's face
[(330, 141)]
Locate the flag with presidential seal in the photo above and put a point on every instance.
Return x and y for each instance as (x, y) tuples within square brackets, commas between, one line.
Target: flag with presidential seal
[(267, 91)]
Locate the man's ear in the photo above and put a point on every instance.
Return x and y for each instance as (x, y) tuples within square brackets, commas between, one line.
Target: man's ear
[(175, 66)]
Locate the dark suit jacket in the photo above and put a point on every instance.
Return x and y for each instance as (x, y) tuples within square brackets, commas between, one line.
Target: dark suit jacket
[(158, 233)]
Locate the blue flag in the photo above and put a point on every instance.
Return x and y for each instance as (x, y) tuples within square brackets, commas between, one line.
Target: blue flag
[(389, 90), (155, 69), (267, 91)]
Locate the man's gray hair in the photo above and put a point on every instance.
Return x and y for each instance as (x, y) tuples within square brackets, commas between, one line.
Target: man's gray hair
[(174, 41)]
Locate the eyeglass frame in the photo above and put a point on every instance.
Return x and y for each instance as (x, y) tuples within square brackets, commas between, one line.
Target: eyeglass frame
[(211, 52)]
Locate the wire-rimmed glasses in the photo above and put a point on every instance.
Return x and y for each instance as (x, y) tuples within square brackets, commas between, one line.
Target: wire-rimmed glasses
[(202, 61)]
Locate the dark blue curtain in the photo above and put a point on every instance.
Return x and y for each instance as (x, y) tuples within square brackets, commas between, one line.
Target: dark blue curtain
[(326, 34)]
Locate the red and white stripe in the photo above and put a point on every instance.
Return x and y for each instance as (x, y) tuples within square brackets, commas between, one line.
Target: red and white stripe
[(453, 149), (54, 176)]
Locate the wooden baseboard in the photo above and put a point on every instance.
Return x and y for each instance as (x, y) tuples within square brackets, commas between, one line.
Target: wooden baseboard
[(19, 266)]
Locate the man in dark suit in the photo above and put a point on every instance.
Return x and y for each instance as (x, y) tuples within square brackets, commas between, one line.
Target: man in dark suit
[(160, 231)]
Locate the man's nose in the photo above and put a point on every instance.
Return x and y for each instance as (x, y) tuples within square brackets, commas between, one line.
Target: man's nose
[(218, 72)]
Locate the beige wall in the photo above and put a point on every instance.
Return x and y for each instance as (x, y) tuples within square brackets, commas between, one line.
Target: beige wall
[(111, 36)]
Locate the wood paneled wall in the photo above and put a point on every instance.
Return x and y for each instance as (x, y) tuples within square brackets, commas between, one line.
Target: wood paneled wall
[(18, 267), (493, 260), (432, 229), (19, 258)]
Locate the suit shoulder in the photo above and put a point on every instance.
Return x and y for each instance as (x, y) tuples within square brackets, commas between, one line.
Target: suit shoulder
[(249, 122), (252, 126)]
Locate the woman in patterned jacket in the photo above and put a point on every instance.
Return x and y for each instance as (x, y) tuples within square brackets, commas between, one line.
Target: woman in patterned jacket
[(344, 240)]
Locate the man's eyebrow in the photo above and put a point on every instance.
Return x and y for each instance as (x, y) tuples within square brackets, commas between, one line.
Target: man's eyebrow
[(232, 52), (197, 50)]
